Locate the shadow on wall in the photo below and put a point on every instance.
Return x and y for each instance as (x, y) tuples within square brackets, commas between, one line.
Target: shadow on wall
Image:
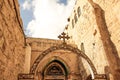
[(109, 47)]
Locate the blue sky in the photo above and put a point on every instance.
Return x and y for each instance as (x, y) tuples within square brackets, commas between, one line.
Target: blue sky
[(27, 15), (44, 18), (63, 2)]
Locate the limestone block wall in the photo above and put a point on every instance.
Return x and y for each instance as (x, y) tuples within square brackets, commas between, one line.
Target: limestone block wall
[(38, 45), (12, 40), (68, 58), (84, 32), (112, 16)]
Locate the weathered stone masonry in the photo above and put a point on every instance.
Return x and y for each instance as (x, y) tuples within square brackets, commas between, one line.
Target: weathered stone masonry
[(110, 49), (97, 28), (12, 40)]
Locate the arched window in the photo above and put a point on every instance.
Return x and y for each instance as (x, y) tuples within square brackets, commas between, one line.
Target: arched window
[(78, 11), (75, 17), (72, 23), (82, 47)]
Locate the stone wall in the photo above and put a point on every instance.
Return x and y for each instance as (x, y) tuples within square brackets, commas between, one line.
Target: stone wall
[(86, 35), (68, 58), (38, 45), (12, 40)]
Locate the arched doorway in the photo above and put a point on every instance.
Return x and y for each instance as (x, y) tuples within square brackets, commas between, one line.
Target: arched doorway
[(62, 47), (57, 65), (55, 70)]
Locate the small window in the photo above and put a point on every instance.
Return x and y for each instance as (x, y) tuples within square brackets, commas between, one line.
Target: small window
[(75, 17), (78, 11), (72, 23), (68, 19), (66, 27), (82, 47)]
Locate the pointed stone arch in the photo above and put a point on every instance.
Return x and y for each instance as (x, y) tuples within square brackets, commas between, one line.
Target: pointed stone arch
[(55, 70), (62, 47), (60, 60)]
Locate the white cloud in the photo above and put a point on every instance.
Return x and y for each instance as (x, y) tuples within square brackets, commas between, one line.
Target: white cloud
[(27, 5), (50, 18)]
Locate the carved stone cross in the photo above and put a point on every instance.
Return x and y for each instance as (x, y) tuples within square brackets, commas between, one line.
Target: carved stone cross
[(64, 36)]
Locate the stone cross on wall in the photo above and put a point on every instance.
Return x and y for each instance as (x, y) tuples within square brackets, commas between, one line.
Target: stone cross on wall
[(64, 36)]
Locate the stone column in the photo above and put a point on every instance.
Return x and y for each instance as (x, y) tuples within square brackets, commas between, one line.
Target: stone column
[(27, 58)]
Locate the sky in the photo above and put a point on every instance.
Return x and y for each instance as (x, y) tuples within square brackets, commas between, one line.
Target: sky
[(45, 18)]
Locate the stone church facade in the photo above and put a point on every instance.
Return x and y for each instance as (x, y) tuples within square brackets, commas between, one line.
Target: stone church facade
[(91, 53)]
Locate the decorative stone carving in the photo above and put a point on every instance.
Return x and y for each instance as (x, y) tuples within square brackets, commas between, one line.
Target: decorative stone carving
[(26, 76), (62, 47)]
